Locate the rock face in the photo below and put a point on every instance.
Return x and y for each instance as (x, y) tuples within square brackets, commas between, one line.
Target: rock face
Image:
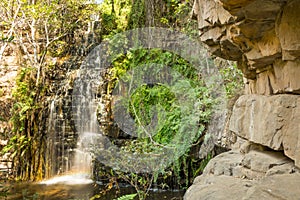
[(263, 36), (272, 121), (8, 73), (255, 175)]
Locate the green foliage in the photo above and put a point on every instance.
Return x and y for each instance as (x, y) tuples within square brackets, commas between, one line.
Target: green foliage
[(114, 16), (145, 98), (26, 196), (63, 19), (1, 92), (127, 197), (173, 14), (233, 80), (24, 96), (178, 16), (7, 39), (141, 183), (122, 10), (4, 191), (160, 102), (137, 16), (199, 167)]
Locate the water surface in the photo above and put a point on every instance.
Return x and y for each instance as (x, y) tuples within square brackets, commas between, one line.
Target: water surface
[(75, 187)]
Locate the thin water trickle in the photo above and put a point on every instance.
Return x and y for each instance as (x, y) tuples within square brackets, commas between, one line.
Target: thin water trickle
[(51, 155)]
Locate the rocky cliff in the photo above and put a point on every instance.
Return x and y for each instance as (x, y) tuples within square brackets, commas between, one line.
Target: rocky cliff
[(8, 73), (263, 36)]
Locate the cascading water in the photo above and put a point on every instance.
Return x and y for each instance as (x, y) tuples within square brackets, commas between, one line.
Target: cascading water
[(60, 136), (73, 129), (73, 161), (85, 115), (50, 143)]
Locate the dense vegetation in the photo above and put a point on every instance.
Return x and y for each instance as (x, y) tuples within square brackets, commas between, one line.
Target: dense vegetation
[(37, 31), (42, 30)]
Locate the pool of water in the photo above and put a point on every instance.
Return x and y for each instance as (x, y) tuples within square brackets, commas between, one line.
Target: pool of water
[(74, 187)]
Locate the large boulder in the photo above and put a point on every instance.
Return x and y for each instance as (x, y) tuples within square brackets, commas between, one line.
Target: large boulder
[(254, 175), (272, 121), (228, 187)]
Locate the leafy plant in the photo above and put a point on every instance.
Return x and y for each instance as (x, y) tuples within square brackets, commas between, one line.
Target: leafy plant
[(1, 92), (4, 191), (232, 77), (127, 197), (26, 196), (160, 102)]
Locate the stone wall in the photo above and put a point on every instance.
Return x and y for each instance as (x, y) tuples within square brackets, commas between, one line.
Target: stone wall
[(8, 73)]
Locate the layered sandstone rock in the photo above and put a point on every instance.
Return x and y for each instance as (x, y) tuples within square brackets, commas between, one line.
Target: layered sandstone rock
[(272, 121), (262, 35), (8, 73)]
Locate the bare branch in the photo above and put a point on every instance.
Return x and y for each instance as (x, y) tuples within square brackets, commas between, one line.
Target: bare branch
[(10, 32)]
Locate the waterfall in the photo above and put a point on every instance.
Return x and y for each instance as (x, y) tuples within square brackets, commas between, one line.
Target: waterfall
[(85, 115), (50, 155), (73, 132), (73, 129), (60, 137)]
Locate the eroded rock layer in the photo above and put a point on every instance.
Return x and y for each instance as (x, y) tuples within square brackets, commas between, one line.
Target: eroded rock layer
[(261, 35)]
